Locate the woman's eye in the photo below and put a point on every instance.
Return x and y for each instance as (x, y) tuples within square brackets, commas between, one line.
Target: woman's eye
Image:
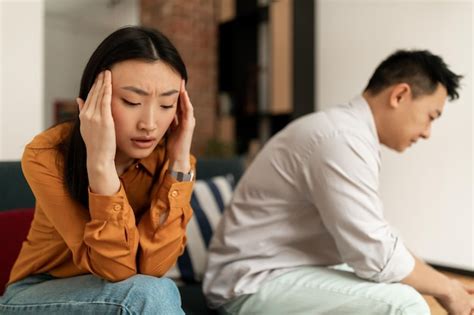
[(167, 106), (129, 103)]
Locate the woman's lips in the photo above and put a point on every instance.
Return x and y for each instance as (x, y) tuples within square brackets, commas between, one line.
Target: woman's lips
[(143, 143)]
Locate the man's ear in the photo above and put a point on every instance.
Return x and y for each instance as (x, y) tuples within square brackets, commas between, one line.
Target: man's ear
[(400, 93)]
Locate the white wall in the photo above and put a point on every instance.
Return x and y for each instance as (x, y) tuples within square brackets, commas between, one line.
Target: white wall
[(427, 191), (44, 46), (73, 29), (21, 74)]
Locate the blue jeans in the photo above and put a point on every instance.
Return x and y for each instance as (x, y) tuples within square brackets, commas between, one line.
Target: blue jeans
[(88, 294), (328, 291)]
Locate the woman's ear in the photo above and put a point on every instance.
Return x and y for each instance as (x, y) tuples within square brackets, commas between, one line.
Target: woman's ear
[(400, 93)]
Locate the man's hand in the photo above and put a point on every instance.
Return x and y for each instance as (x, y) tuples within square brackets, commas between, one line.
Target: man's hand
[(451, 294), (459, 299)]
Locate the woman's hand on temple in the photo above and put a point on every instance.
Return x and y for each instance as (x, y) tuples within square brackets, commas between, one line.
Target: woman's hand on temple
[(181, 133), (97, 130)]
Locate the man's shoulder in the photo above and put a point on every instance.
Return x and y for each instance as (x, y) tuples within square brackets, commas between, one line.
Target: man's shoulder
[(334, 122)]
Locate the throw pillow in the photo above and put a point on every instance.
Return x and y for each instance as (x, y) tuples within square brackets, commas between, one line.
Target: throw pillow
[(209, 199)]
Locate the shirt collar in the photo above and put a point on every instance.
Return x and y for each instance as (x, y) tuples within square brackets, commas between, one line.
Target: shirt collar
[(362, 107), (151, 161)]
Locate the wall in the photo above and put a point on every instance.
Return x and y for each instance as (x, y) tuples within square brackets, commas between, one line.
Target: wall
[(192, 28), (21, 74), (73, 30), (428, 190), (42, 60)]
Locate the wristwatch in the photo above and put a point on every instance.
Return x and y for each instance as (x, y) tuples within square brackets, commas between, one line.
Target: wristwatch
[(182, 177)]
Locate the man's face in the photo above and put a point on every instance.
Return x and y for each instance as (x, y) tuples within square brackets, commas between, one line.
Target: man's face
[(413, 117)]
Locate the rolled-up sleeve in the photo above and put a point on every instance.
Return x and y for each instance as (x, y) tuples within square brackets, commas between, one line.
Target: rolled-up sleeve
[(162, 228), (102, 240), (343, 185)]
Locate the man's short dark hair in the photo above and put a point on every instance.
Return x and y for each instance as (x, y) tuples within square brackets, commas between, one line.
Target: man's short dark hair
[(419, 68)]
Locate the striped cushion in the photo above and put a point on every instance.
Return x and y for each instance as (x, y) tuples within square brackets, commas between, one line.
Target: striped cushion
[(208, 201)]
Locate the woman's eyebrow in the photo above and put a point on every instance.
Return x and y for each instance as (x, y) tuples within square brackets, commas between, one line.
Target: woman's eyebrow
[(136, 90), (145, 93), (168, 93)]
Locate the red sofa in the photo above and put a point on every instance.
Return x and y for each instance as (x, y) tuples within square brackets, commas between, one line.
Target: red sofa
[(16, 212), (14, 226)]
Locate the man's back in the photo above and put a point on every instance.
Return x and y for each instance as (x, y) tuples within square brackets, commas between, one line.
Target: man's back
[(274, 222)]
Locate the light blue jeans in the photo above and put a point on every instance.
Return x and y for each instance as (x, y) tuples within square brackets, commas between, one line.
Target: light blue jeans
[(328, 291), (88, 294)]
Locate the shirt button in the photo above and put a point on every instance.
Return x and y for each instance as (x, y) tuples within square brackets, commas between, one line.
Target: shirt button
[(174, 193), (117, 207)]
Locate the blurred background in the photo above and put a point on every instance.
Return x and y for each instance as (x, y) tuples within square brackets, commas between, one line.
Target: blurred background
[(254, 66)]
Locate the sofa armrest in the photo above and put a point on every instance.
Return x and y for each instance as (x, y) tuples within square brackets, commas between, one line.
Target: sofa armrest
[(14, 190), (211, 167)]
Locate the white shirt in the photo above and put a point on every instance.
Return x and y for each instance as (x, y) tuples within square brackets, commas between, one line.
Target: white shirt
[(311, 197)]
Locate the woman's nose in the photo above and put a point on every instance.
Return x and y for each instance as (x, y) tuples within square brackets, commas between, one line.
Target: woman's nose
[(148, 120)]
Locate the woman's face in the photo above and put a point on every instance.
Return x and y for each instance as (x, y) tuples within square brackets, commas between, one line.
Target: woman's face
[(144, 101)]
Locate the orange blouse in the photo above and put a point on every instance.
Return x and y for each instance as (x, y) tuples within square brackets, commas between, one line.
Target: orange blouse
[(118, 236)]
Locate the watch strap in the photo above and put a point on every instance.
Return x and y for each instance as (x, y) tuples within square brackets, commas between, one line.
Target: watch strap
[(182, 177)]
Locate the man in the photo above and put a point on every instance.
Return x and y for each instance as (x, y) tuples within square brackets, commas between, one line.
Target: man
[(310, 200)]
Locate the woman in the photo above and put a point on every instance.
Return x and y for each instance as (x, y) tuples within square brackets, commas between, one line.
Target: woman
[(112, 188)]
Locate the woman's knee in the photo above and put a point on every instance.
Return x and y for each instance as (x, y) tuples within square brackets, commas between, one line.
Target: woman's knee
[(149, 294), (146, 283)]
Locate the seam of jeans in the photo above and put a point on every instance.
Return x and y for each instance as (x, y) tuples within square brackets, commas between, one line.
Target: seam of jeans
[(69, 303)]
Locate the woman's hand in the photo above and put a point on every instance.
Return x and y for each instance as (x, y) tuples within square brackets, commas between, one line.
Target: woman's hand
[(181, 133), (97, 130), (97, 124)]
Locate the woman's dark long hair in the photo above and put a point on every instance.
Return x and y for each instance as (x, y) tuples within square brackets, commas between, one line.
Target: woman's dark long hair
[(134, 42)]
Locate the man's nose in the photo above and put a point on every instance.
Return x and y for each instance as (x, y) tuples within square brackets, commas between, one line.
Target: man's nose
[(426, 133)]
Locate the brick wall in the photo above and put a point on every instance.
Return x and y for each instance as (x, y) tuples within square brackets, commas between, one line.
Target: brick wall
[(191, 26)]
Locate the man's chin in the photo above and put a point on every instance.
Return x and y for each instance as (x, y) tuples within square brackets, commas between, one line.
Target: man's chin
[(399, 148)]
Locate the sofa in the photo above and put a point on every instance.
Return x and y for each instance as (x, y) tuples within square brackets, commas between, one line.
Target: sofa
[(215, 181)]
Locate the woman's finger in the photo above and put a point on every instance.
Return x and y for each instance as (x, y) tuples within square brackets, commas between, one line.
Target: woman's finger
[(106, 102), (88, 102), (100, 96), (189, 113), (175, 121), (189, 105), (85, 105), (186, 106), (80, 103), (182, 98), (93, 98)]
